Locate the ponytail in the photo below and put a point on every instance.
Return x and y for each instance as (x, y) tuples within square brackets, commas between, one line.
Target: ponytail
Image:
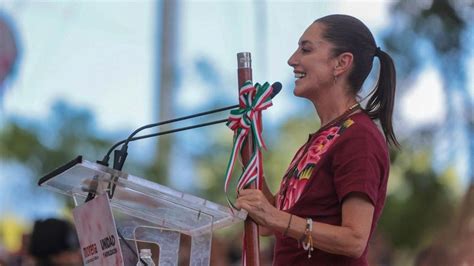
[(348, 34), (380, 104)]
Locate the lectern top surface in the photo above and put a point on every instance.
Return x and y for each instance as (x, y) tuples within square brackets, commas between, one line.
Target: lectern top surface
[(141, 199)]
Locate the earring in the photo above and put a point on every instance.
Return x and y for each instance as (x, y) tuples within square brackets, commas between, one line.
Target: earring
[(335, 79)]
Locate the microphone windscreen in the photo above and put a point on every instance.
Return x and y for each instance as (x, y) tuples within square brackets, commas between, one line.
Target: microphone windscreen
[(276, 89)]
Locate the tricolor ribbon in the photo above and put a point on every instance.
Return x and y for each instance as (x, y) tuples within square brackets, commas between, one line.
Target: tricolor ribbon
[(253, 100)]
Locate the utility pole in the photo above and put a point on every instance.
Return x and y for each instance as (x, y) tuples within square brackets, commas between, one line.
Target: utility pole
[(166, 80)]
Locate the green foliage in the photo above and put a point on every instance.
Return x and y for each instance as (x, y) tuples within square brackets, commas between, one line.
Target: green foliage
[(436, 34), (42, 147), (421, 204), (211, 165), (441, 22), (18, 143), (418, 204), (426, 32)]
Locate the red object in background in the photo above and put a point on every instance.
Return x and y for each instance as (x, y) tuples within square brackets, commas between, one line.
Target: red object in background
[(8, 50)]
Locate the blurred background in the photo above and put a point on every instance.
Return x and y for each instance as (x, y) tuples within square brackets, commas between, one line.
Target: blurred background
[(77, 76)]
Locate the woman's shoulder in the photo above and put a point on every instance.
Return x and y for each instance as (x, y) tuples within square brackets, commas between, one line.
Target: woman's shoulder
[(361, 128), (363, 124)]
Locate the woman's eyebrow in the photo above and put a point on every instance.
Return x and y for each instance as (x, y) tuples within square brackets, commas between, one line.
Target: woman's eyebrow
[(305, 42)]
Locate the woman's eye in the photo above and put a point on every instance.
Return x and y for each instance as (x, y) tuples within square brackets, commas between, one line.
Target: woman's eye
[(304, 50)]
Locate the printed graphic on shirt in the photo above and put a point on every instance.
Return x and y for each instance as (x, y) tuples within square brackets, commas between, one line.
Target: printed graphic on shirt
[(302, 166)]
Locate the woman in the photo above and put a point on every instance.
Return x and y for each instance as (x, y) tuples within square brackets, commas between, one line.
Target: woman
[(333, 192)]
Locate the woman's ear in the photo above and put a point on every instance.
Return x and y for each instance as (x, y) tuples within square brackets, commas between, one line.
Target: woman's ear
[(343, 63)]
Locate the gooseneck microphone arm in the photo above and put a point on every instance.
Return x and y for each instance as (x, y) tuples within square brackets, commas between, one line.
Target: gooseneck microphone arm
[(105, 160), (160, 134), (121, 155)]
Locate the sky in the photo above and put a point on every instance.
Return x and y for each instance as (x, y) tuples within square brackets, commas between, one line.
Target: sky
[(101, 55), (86, 53)]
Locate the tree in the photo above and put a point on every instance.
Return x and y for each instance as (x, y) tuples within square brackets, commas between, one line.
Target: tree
[(43, 146), (436, 33)]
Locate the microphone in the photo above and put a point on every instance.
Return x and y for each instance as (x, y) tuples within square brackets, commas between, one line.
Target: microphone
[(121, 155), (276, 89)]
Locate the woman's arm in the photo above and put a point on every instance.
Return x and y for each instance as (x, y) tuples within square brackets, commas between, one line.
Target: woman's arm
[(349, 239)]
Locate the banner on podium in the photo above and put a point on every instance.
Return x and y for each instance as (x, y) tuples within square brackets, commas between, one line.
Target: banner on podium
[(97, 233)]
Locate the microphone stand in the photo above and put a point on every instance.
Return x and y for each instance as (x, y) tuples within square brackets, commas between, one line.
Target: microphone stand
[(120, 155), (112, 187), (163, 133)]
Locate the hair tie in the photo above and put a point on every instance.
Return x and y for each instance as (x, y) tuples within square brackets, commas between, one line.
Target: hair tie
[(377, 51)]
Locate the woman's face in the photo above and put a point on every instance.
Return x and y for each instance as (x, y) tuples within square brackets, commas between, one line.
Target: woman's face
[(313, 63)]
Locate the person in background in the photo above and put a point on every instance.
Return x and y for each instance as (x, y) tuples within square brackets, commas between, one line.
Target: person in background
[(333, 192), (54, 242)]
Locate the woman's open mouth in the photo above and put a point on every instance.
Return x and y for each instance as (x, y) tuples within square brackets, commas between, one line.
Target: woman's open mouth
[(299, 75)]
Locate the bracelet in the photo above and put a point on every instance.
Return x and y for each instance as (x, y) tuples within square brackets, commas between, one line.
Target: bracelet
[(288, 226), (303, 236), (308, 242)]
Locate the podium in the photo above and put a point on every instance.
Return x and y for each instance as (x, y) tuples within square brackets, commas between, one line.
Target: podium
[(146, 211)]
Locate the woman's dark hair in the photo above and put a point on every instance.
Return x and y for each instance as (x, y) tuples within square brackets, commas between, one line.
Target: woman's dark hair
[(349, 34)]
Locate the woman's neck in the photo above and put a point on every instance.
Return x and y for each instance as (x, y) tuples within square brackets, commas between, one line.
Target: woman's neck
[(331, 107)]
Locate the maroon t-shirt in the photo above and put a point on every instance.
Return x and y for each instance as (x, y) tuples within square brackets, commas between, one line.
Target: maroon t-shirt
[(351, 156)]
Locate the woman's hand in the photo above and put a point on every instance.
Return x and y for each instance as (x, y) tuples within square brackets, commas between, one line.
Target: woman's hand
[(257, 205)]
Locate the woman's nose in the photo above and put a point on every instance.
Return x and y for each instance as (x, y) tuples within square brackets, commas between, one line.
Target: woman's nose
[(292, 60)]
